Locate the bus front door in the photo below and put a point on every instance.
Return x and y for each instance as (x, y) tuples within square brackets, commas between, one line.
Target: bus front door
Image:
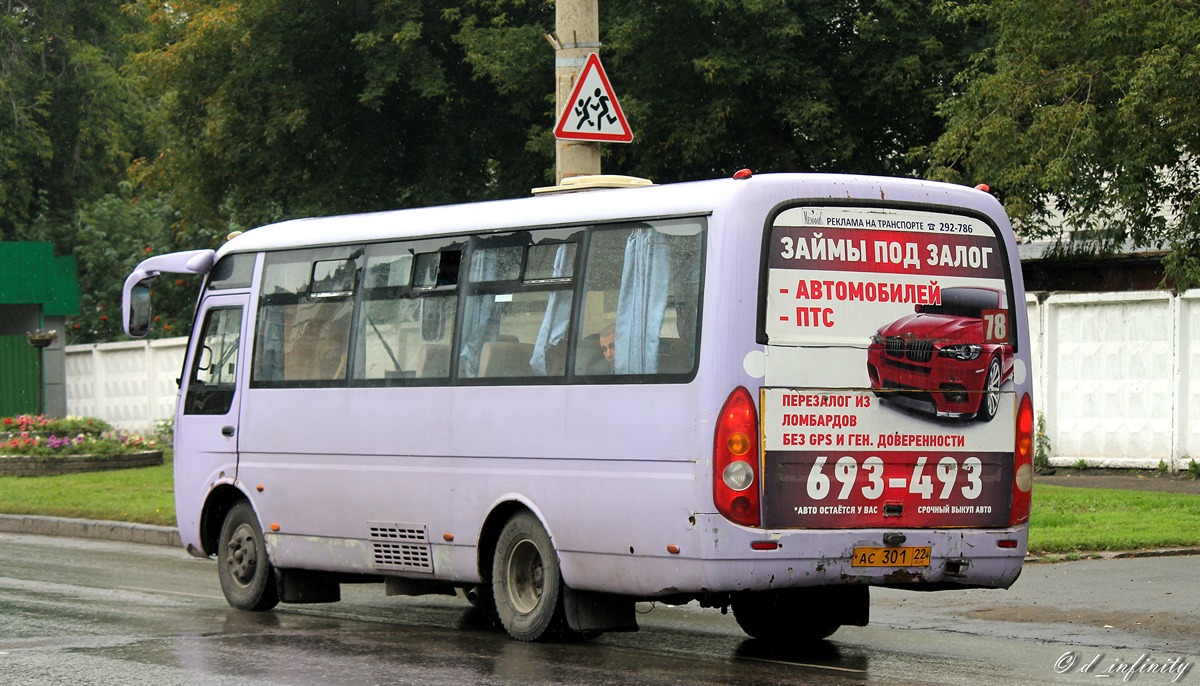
[(206, 423)]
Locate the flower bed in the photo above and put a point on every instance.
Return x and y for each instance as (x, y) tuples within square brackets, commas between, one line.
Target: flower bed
[(42, 446), (42, 425)]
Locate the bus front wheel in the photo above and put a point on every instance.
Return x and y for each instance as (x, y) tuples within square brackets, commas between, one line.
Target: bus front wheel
[(782, 615), (247, 576), (526, 582)]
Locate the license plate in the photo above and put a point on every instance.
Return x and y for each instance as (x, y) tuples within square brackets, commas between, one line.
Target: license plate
[(910, 556)]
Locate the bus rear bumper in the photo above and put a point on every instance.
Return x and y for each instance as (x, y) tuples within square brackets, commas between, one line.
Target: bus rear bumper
[(738, 559), (729, 559)]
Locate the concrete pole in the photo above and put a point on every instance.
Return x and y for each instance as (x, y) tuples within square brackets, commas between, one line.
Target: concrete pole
[(577, 25)]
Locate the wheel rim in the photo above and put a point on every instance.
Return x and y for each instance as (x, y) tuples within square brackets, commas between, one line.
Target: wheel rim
[(526, 576), (243, 555), (993, 389)]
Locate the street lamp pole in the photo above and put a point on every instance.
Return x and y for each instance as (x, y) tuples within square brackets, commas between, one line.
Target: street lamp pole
[(577, 33)]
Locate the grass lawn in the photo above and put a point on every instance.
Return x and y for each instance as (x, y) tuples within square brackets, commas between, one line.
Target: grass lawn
[(1068, 519), (1065, 519), (143, 495)]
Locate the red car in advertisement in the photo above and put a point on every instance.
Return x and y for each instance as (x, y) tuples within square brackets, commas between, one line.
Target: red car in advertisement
[(948, 358)]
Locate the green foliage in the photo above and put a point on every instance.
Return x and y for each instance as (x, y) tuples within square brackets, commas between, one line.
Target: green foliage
[(164, 431), (776, 85), (1080, 464), (110, 236), (70, 121), (1041, 442), (831, 86), (276, 110), (1193, 469), (1086, 110)]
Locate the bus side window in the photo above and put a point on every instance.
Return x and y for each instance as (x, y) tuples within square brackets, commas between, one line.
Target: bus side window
[(641, 299), (213, 377), (406, 318), (517, 310), (303, 331)]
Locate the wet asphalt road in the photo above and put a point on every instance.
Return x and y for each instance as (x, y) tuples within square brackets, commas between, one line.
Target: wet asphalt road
[(90, 612)]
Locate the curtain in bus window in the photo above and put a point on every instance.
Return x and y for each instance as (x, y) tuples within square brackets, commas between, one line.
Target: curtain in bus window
[(553, 332), (481, 320), (642, 302)]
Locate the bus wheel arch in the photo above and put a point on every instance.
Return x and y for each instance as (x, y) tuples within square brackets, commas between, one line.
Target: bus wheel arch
[(216, 507), (489, 534), (480, 595)]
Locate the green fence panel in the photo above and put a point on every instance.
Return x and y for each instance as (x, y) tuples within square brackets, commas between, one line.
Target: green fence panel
[(19, 376)]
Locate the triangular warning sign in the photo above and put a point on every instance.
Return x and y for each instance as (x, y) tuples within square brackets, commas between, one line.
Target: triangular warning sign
[(592, 112)]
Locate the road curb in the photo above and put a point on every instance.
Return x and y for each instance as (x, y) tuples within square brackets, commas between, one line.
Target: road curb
[(89, 528), (1050, 558)]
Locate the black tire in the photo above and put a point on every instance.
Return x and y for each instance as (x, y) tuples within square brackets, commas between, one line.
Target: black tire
[(782, 615), (526, 582), (247, 576), (989, 402)]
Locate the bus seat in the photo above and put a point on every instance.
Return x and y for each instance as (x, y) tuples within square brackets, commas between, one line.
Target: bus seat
[(505, 358), (673, 356), (433, 361)]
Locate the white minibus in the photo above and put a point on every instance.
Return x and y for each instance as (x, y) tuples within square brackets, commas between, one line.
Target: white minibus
[(767, 393)]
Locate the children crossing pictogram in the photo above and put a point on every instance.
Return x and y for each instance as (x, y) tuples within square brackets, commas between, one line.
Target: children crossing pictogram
[(592, 113)]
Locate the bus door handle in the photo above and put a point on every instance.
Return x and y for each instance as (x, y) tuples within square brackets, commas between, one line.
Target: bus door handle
[(227, 431)]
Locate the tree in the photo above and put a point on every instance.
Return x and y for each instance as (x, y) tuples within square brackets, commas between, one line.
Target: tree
[(109, 237), (775, 85), (1088, 111), (710, 86), (275, 109), (70, 121)]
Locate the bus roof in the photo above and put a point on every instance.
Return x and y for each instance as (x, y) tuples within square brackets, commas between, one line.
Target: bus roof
[(566, 209)]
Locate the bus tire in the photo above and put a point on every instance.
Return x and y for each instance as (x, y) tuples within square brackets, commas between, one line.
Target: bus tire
[(526, 582), (781, 615), (247, 575)]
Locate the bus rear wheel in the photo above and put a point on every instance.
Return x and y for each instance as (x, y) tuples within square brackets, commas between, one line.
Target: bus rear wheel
[(247, 576), (782, 615), (526, 582)]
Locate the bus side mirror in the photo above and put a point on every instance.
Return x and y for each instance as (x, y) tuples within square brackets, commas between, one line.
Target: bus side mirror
[(135, 294), (137, 314)]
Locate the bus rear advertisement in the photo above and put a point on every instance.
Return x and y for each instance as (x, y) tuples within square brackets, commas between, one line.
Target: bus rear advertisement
[(767, 393)]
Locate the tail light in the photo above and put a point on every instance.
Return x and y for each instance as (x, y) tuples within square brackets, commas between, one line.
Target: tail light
[(735, 460), (1022, 490)]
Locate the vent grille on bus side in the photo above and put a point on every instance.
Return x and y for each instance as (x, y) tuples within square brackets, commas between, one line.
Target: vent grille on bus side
[(400, 547)]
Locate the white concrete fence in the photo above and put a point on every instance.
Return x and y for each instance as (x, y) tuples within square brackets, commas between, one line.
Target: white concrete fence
[(1116, 378), (131, 385)]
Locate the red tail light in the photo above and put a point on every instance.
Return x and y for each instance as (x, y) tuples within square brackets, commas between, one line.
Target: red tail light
[(1022, 490), (735, 460)]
